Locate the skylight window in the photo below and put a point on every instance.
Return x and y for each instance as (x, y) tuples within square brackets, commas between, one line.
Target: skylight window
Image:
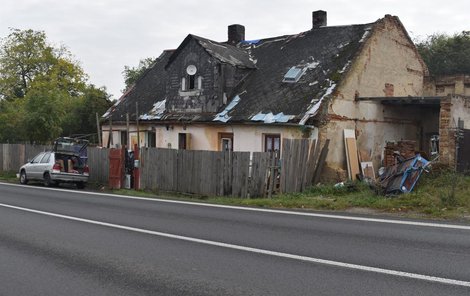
[(293, 75)]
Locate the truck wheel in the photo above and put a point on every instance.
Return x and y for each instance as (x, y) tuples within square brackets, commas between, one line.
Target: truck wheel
[(80, 185)]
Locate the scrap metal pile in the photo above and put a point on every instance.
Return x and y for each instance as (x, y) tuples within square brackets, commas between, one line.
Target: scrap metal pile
[(402, 177), (402, 165)]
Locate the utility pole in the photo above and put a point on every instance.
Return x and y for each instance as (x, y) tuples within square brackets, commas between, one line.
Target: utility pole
[(98, 130), (128, 144), (110, 137), (137, 121)]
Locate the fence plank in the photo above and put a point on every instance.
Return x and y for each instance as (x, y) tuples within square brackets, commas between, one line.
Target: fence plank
[(228, 173), (259, 174), (284, 161), (240, 171), (296, 169), (1, 157), (98, 164), (6, 158), (321, 162), (311, 165), (303, 164), (147, 179)]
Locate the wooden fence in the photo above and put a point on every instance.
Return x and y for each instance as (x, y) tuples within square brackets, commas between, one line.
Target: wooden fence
[(198, 172), (98, 162), (211, 173), (239, 174), (297, 165), (13, 156)]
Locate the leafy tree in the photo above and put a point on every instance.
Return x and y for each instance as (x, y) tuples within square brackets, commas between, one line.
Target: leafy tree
[(446, 55), (11, 121), (23, 55), (131, 74), (81, 120), (44, 111), (43, 91)]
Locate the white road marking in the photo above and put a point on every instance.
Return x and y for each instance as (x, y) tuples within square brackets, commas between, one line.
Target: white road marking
[(317, 215), (254, 250)]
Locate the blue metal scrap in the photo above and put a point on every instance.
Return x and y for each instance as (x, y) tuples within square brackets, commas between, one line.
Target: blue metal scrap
[(402, 177), (256, 41), (223, 116), (272, 118)]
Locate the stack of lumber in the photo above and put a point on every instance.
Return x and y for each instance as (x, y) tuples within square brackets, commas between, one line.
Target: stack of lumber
[(351, 153)]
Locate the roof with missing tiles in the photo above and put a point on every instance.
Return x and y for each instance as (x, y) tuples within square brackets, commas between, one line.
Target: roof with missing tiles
[(320, 57), (223, 52)]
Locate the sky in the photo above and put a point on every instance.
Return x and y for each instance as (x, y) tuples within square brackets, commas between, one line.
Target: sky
[(106, 35)]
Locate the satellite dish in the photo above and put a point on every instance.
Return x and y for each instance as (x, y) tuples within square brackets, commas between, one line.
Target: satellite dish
[(191, 70)]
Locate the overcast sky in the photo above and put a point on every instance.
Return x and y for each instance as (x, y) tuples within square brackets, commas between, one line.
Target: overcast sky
[(106, 35)]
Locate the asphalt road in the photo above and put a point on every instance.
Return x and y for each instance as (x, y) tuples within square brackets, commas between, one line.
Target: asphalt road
[(68, 242)]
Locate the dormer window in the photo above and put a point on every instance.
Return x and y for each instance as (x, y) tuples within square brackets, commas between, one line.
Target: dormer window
[(191, 82)]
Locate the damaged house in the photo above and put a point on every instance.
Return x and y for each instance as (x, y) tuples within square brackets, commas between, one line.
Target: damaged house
[(249, 95)]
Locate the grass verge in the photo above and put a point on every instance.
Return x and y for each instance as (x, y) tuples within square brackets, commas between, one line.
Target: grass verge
[(8, 176), (443, 195)]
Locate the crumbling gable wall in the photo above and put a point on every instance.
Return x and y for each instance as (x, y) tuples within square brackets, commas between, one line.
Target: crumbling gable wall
[(388, 65)]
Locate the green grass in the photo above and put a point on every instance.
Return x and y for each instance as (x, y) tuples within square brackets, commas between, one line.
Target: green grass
[(8, 176), (444, 195)]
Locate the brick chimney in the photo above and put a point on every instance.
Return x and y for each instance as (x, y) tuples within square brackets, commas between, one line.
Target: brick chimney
[(236, 33), (318, 19)]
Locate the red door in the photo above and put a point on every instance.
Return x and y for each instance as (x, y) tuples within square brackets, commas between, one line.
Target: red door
[(116, 168)]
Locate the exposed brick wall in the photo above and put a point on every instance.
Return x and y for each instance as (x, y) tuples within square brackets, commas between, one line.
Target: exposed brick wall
[(389, 89), (446, 134), (407, 150)]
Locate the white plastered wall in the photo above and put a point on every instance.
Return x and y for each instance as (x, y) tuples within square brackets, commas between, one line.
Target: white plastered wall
[(206, 137)]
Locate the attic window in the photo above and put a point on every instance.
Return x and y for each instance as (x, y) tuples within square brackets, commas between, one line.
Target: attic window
[(191, 71), (191, 80), (293, 75)]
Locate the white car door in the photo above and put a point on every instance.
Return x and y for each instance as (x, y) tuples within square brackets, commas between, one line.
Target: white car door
[(33, 169), (44, 164)]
